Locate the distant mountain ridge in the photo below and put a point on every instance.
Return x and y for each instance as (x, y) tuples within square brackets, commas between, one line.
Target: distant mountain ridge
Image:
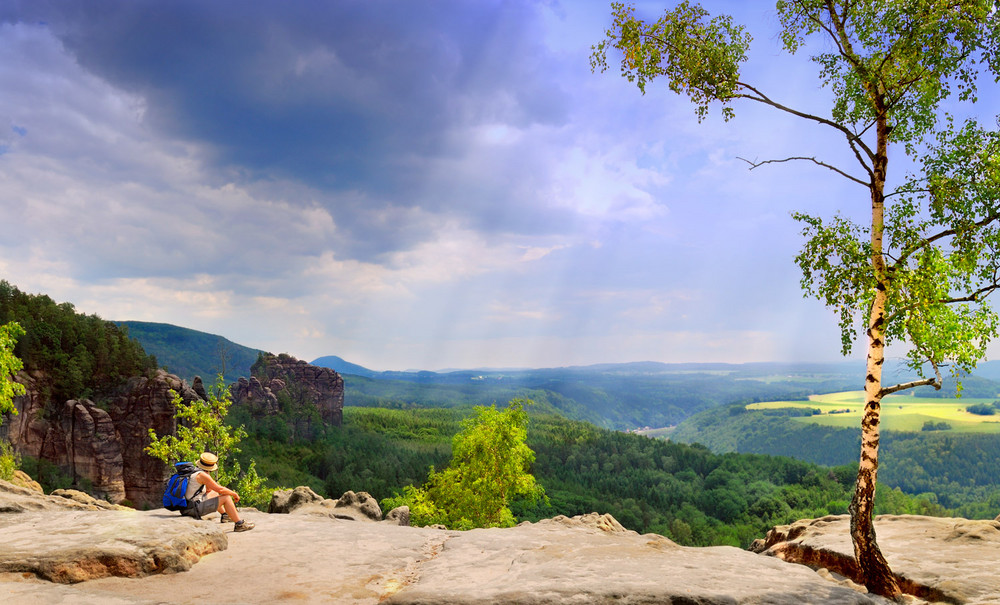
[(342, 366), (189, 353)]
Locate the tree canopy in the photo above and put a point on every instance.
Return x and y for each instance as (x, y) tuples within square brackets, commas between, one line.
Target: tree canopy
[(9, 367), (490, 465)]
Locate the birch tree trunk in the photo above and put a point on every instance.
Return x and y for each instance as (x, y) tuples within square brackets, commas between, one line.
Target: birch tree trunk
[(877, 575)]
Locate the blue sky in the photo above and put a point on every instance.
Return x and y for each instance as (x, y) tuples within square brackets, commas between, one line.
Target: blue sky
[(406, 184)]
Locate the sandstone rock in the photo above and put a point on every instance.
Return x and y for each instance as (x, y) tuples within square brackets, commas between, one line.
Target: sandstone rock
[(317, 386), (399, 516), (69, 537), (102, 447), (199, 387), (313, 560), (285, 501), (22, 479), (87, 500), (75, 546), (939, 559), (359, 505), (93, 448), (146, 403), (260, 400), (18, 499)]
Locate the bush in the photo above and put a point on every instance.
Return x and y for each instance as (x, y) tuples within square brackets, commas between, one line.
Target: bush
[(981, 409), (10, 461)]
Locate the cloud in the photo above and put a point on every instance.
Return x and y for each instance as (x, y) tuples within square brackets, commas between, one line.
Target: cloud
[(406, 184)]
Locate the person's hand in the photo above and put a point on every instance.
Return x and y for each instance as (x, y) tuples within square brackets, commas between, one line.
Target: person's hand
[(236, 497)]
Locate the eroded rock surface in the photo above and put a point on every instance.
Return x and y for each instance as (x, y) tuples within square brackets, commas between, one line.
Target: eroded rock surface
[(70, 538), (308, 558), (352, 506), (937, 559)]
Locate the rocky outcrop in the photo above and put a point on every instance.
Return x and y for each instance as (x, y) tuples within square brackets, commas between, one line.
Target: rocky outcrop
[(146, 403), (351, 506), (100, 445), (303, 383), (74, 538), (260, 400), (63, 553), (305, 558), (937, 559)]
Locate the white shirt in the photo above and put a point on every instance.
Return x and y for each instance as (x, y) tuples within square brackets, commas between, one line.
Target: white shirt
[(193, 487)]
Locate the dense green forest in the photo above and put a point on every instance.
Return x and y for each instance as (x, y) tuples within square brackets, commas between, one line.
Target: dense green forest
[(82, 356), (189, 353), (957, 470), (681, 491)]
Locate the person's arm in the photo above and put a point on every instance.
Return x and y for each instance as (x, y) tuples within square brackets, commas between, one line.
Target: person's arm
[(209, 481)]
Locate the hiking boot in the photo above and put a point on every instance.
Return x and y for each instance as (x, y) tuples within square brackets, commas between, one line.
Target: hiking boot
[(225, 518), (243, 526)]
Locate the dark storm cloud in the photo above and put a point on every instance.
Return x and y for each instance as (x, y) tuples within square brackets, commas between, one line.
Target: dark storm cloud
[(338, 95)]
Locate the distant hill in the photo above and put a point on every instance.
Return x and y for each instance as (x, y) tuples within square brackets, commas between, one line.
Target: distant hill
[(189, 353), (616, 396), (344, 367)]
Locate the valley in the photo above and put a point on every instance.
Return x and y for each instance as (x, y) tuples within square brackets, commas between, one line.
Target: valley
[(899, 412)]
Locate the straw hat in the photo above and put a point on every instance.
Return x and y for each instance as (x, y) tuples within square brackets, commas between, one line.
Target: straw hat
[(208, 462)]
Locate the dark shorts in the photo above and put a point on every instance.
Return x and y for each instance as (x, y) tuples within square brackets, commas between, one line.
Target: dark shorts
[(202, 508)]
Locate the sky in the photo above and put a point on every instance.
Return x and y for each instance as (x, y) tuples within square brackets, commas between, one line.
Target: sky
[(407, 185)]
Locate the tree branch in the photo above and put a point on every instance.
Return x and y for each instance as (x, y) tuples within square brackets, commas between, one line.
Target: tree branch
[(905, 254), (762, 98), (934, 382), (813, 160), (976, 296)]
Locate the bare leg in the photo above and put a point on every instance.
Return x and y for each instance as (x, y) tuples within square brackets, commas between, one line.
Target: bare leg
[(226, 505)]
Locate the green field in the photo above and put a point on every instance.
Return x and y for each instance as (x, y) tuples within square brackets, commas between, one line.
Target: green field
[(899, 412)]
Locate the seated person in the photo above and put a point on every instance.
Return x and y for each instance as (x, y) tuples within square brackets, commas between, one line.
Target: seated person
[(205, 495)]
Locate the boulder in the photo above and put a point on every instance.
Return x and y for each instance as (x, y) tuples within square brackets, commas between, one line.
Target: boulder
[(70, 537), (351, 506), (287, 500), (22, 479), (360, 506), (398, 516)]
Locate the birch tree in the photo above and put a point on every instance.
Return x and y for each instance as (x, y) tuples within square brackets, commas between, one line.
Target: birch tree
[(919, 270)]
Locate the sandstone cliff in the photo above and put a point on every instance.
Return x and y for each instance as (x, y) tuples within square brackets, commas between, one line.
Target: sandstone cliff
[(100, 444), (302, 384)]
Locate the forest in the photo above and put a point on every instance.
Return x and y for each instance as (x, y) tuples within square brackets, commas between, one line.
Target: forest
[(956, 470), (82, 356), (682, 491)]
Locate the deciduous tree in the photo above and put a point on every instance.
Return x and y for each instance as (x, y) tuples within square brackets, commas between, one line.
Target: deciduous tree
[(919, 269), (490, 464), (202, 428), (9, 366)]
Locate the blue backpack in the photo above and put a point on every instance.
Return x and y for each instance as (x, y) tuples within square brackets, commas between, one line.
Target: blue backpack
[(174, 496)]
